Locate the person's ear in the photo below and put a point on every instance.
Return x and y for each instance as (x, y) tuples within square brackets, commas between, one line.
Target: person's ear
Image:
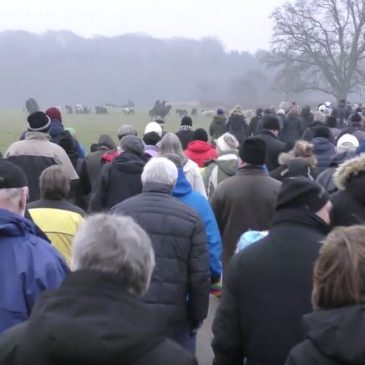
[(23, 200)]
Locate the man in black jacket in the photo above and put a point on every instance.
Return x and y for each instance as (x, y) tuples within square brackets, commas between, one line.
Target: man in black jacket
[(268, 286), (181, 281), (269, 134), (96, 317), (121, 178)]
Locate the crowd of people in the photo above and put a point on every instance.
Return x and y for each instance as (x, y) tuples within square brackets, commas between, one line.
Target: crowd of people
[(111, 257)]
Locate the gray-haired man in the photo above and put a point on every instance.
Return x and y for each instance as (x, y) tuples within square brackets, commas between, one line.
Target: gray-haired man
[(181, 280), (96, 317)]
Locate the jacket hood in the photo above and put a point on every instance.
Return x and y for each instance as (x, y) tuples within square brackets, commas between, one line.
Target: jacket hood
[(228, 163), (341, 157), (219, 119), (322, 145), (338, 333), (12, 224), (182, 187), (129, 162), (199, 146), (286, 157), (348, 170), (116, 326)]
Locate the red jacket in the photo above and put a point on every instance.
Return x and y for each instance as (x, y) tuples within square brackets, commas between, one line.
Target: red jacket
[(200, 152)]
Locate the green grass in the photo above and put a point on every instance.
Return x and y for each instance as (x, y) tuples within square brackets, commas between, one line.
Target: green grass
[(89, 126)]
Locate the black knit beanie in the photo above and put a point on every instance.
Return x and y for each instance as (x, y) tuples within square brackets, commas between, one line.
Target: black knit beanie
[(253, 151)]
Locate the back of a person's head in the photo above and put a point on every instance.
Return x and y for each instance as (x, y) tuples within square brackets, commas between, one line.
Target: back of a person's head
[(200, 134), (253, 151), (39, 122), (271, 122), (106, 141), (67, 142), (159, 170), (176, 159), (356, 118), (13, 187), (132, 144), (54, 113), (54, 183), (339, 273), (227, 143), (347, 142), (322, 132), (151, 138), (126, 130), (153, 127), (294, 110), (186, 121), (116, 245), (170, 143), (303, 149)]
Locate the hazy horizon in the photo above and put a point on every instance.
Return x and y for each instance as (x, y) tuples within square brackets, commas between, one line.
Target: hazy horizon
[(232, 22)]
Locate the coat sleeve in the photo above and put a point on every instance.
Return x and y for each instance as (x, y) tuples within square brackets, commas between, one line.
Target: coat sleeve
[(98, 198), (199, 278), (214, 242), (227, 342)]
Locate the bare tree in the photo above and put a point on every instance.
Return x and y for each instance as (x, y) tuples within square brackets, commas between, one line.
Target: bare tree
[(324, 40)]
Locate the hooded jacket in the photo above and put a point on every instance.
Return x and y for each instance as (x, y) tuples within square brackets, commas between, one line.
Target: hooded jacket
[(324, 150), (183, 192), (267, 291), (224, 166), (90, 320), (119, 180), (55, 130), (200, 152), (244, 202), (30, 265), (285, 158), (349, 201), (334, 337), (217, 127), (325, 178), (180, 283)]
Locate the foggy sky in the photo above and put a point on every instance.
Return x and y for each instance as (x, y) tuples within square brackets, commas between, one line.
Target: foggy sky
[(239, 24)]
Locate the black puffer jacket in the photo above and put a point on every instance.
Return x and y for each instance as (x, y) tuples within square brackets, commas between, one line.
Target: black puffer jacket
[(119, 180), (186, 135), (89, 320), (335, 337), (181, 280), (266, 292), (237, 126)]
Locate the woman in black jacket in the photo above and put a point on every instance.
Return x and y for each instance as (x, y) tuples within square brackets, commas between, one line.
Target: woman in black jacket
[(336, 328)]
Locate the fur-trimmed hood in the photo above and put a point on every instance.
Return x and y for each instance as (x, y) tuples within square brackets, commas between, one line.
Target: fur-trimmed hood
[(349, 169), (286, 157)]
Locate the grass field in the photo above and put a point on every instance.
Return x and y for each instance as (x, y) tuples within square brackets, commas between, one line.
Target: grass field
[(89, 126)]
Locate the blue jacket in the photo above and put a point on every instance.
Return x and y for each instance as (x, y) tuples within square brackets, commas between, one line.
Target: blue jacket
[(200, 205), (29, 266), (55, 130)]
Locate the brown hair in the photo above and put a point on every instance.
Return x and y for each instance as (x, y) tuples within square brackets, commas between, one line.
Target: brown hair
[(54, 183), (339, 272), (303, 149)]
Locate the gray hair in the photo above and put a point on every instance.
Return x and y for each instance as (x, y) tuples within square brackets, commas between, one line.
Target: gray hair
[(159, 170), (54, 183), (170, 143), (117, 245)]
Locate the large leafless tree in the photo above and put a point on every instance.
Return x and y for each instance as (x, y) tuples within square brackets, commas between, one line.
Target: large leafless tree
[(325, 41)]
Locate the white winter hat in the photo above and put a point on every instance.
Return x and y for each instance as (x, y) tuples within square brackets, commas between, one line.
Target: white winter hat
[(280, 112), (153, 127), (347, 142), (227, 142)]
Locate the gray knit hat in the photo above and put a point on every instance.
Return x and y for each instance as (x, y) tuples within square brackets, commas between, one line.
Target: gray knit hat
[(132, 144), (126, 130)]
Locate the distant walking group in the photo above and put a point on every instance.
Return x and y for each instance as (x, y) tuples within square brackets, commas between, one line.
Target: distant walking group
[(111, 257)]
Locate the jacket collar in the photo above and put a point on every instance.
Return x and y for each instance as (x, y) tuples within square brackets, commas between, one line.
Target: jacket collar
[(302, 217), (266, 132), (152, 187), (37, 135), (251, 170)]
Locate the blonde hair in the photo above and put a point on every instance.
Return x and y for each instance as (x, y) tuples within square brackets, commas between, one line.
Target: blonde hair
[(339, 272)]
